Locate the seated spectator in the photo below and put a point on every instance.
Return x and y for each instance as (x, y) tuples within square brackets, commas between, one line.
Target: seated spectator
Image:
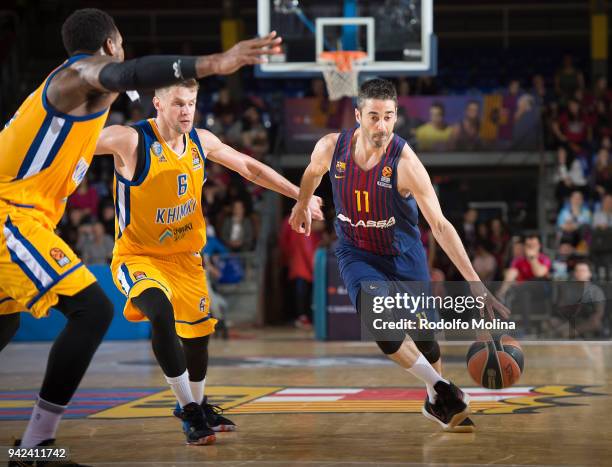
[(526, 127), (601, 175), (482, 233), (427, 86), (224, 104), (85, 198), (484, 262), (603, 217), (533, 264), (602, 119), (237, 230), (466, 133), (107, 216), (568, 78), (573, 131), (95, 245), (403, 87), (434, 135), (525, 278), (254, 135), (574, 179), (574, 219), (564, 261), (69, 229), (580, 308)]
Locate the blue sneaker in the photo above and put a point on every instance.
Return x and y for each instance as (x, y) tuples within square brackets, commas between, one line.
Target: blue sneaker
[(214, 417)]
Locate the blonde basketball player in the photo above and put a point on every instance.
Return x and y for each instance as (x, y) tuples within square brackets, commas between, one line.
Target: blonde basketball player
[(160, 231), (46, 150)]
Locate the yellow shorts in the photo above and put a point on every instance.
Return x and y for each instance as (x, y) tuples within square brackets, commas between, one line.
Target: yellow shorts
[(36, 266), (180, 277)]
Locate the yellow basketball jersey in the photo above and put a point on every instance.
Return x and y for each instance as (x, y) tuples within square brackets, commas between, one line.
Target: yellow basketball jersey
[(46, 153), (160, 213)]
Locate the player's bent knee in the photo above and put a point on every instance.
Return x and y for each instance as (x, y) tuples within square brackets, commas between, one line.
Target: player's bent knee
[(90, 305), (154, 304), (389, 347), (430, 349)]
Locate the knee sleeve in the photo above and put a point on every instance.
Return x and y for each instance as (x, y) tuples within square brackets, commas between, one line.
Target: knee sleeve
[(389, 347), (90, 306), (430, 350), (154, 304)]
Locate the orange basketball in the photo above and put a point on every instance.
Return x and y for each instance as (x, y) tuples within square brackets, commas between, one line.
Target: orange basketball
[(495, 364)]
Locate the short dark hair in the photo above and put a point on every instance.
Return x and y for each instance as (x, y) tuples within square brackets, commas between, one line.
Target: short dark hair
[(586, 262), (376, 88), (438, 105), (533, 235), (86, 30)]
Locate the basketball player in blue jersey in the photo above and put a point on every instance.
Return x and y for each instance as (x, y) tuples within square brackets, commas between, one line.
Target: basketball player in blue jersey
[(46, 149), (378, 183)]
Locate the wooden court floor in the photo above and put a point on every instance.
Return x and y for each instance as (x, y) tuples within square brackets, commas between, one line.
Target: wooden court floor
[(304, 403)]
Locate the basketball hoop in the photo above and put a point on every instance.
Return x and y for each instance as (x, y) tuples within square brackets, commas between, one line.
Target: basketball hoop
[(339, 73)]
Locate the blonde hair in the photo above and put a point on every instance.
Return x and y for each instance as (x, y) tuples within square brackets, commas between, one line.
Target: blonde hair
[(188, 83)]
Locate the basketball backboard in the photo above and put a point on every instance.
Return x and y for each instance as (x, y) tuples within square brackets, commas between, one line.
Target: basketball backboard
[(396, 35)]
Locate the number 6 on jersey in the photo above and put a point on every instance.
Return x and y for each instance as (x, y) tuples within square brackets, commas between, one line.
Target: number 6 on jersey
[(182, 184)]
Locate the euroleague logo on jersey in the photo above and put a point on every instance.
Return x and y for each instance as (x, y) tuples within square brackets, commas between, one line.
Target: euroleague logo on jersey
[(385, 177), (197, 162), (59, 256)]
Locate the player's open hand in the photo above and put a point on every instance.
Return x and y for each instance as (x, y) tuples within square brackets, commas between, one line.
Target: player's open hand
[(492, 304), (249, 52), (315, 208), (300, 219)]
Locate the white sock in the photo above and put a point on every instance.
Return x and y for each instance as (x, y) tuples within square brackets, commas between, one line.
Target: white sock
[(43, 423), (431, 393), (423, 370), (181, 389), (197, 389)]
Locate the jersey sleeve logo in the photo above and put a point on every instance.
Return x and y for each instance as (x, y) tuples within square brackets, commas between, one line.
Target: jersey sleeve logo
[(59, 256), (158, 151), (79, 172), (340, 169), (197, 161)]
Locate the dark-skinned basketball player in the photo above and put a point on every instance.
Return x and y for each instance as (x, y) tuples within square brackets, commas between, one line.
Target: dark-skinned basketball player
[(378, 182), (160, 231), (47, 147)]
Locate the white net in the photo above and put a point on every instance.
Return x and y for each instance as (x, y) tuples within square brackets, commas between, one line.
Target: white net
[(341, 83)]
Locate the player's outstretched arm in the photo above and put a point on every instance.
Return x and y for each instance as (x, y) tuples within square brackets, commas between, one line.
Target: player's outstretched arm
[(413, 178), (322, 154), (104, 74), (253, 170), (120, 142)]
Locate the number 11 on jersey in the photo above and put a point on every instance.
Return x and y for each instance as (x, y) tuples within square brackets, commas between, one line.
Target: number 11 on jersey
[(366, 199)]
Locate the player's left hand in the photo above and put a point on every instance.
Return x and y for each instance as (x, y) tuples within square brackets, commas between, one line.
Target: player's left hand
[(300, 219), (315, 208), (249, 52), (492, 304)]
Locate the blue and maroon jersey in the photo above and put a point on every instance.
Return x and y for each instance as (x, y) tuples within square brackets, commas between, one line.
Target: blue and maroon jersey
[(370, 212)]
